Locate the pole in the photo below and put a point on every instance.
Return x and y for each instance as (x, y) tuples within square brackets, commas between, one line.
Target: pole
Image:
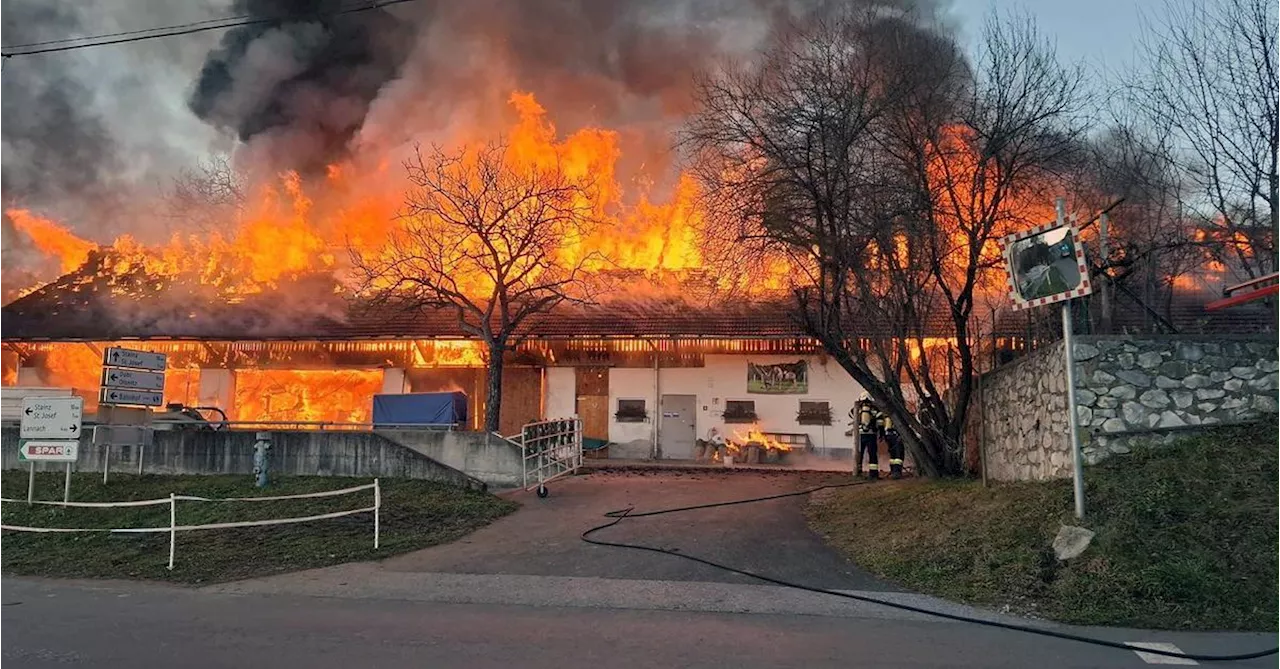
[(173, 527), (106, 462), (377, 513), (66, 486), (982, 431), (1275, 237), (31, 482), (1104, 225), (1077, 460), (140, 447), (656, 450)]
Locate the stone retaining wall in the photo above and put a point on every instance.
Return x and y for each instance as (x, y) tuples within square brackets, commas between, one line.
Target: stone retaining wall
[(1023, 418), (1129, 389), (1144, 387)]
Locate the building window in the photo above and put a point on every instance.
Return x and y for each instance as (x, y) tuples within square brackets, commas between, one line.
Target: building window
[(739, 411), (814, 413), (631, 411)]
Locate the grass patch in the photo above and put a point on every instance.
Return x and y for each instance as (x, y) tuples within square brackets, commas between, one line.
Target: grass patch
[(1186, 537), (415, 514)]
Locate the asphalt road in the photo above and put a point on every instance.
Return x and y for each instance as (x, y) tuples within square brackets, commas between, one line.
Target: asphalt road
[(48, 624), (527, 592), (767, 537)]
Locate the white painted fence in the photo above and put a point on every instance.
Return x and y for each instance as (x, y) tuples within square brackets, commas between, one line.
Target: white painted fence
[(173, 528)]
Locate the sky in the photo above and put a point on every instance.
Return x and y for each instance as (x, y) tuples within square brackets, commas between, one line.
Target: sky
[(1101, 33)]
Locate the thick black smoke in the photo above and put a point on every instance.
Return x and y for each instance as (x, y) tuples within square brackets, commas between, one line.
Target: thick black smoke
[(303, 88), (306, 82)]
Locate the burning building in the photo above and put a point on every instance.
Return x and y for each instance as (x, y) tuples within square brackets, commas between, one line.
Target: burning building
[(650, 376), (251, 297)]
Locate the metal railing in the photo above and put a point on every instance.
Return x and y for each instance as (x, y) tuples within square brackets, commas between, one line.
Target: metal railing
[(550, 449), (321, 425), (173, 527), (268, 425)]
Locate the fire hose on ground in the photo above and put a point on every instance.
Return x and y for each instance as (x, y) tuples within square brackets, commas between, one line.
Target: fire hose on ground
[(623, 514)]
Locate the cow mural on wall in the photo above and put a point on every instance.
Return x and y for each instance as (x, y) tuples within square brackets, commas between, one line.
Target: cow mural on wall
[(780, 379)]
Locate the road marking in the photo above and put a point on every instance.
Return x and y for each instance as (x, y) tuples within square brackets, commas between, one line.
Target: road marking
[(1153, 658)]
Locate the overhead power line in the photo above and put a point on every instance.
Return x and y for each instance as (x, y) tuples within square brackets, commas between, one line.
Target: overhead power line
[(92, 38), (176, 30)]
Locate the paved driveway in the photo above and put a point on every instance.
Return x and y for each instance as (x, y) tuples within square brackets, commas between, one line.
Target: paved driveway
[(542, 538)]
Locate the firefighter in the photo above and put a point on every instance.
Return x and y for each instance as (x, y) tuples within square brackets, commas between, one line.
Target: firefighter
[(894, 440), (868, 443)]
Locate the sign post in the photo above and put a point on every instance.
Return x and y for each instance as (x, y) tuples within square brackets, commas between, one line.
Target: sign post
[(132, 381), (50, 431), (1046, 265)]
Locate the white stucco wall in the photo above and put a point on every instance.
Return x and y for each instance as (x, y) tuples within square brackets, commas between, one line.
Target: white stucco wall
[(725, 378), (559, 387), (30, 377), (218, 389), (393, 381)]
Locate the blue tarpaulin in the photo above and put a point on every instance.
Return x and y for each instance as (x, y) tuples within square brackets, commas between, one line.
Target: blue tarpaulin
[(420, 409)]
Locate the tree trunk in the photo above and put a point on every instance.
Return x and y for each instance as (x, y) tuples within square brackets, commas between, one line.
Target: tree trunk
[(493, 400), (929, 465)]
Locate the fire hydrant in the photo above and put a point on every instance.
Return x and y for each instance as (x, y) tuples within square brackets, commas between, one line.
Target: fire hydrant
[(262, 458)]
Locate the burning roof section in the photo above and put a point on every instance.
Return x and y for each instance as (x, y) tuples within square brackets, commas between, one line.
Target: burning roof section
[(90, 304)]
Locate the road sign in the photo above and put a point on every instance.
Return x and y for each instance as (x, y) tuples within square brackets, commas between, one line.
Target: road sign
[(122, 435), (1045, 265), (110, 414), (142, 397), (52, 451), (124, 357), (129, 379), (51, 417)]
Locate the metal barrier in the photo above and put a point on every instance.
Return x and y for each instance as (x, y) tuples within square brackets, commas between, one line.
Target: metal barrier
[(173, 527), (260, 425), (551, 449), (321, 425)]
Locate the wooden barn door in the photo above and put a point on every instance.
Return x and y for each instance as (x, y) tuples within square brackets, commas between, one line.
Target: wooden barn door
[(592, 392), (521, 399)]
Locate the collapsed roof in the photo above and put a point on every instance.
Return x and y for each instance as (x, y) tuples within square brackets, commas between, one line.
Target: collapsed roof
[(95, 305)]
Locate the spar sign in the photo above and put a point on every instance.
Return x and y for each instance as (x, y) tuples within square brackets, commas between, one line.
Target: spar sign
[(50, 451)]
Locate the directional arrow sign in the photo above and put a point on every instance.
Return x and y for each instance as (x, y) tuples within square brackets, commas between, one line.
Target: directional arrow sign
[(144, 397), (56, 451), (124, 357), (51, 417), (131, 380)]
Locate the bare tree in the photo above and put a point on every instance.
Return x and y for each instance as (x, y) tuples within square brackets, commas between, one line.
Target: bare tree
[(483, 236), (1153, 247), (1211, 84), (208, 195), (864, 147)]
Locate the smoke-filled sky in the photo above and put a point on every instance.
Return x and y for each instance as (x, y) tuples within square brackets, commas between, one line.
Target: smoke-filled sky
[(89, 134)]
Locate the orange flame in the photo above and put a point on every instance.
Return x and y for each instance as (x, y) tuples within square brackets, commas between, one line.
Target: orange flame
[(52, 239), (288, 229), (342, 396), (756, 437)]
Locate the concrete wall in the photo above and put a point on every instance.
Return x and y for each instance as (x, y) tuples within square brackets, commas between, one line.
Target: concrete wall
[(724, 377), (489, 458), (310, 453), (1129, 390)]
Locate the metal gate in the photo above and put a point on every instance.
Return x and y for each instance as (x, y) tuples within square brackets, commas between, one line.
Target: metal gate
[(551, 448)]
